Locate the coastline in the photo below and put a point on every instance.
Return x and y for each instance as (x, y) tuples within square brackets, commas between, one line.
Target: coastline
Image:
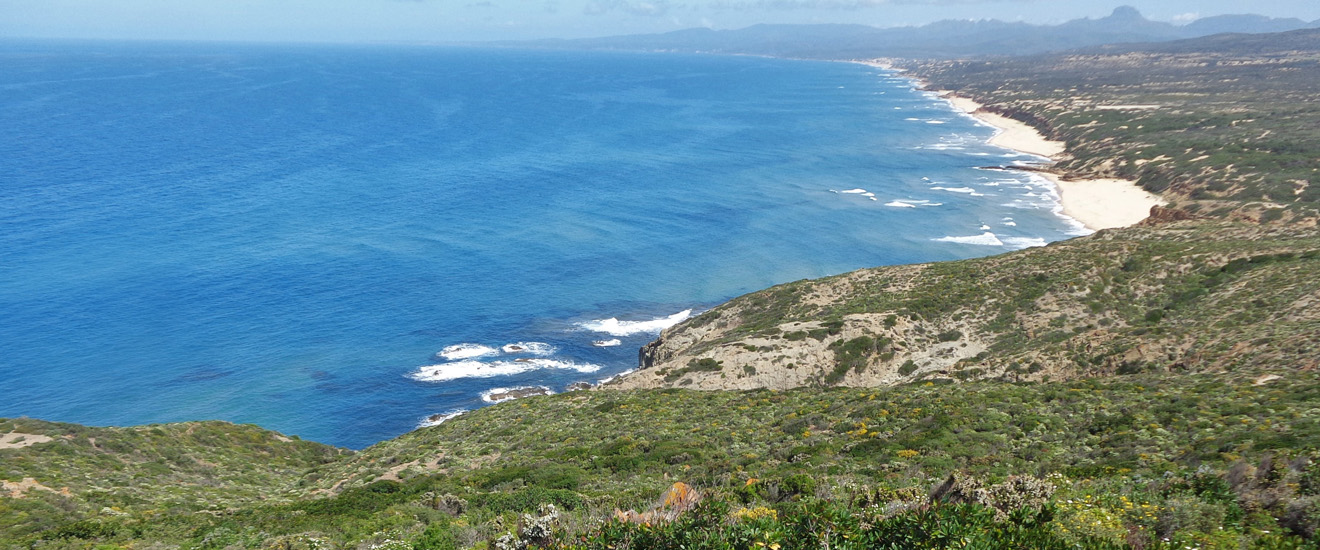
[(1100, 203)]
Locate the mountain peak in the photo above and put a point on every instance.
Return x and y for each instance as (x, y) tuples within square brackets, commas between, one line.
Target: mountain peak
[(1126, 13)]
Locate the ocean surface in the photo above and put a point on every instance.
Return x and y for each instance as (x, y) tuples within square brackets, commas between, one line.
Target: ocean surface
[(336, 242)]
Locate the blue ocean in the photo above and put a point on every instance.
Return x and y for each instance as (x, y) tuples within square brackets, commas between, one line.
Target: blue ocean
[(343, 242)]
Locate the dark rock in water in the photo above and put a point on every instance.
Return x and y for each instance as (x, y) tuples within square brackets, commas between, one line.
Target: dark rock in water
[(579, 386), (505, 394)]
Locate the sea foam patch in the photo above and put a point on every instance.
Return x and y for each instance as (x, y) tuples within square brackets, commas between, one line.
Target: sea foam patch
[(1018, 243), (500, 395), (984, 239), (466, 351), (615, 327), (440, 418), (530, 348), (478, 369), (858, 191), (912, 203)]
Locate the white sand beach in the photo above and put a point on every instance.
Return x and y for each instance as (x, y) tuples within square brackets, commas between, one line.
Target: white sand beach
[(1012, 134), (1096, 203)]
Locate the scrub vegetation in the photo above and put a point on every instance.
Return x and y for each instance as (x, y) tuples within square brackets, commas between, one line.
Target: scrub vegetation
[(1148, 388)]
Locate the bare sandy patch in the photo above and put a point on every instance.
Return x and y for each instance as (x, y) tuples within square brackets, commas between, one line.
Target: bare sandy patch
[(15, 440)]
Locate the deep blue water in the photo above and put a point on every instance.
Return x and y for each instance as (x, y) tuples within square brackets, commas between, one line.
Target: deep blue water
[(282, 235)]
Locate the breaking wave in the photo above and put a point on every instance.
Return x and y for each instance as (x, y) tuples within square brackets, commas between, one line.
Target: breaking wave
[(466, 351), (477, 369), (615, 327)]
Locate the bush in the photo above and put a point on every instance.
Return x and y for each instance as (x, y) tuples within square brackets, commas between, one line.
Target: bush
[(797, 485), (437, 536)]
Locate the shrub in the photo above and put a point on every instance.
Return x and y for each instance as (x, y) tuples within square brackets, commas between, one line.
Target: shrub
[(797, 485)]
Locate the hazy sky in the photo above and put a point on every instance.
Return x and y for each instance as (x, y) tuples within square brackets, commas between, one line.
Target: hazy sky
[(466, 20)]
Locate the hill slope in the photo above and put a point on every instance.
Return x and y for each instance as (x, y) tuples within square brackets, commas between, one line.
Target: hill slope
[(1133, 458), (1180, 407), (1218, 125), (1176, 298), (54, 473)]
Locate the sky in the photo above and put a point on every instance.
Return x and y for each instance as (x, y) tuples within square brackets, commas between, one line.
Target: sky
[(481, 20)]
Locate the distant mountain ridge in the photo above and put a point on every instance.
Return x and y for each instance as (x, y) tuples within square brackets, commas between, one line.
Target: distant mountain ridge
[(942, 39)]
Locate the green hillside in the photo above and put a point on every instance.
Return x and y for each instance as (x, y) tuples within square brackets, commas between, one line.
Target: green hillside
[(1154, 387), (55, 473), (1099, 461)]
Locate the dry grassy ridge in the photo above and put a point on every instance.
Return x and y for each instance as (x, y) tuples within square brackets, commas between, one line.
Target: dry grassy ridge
[(1183, 297)]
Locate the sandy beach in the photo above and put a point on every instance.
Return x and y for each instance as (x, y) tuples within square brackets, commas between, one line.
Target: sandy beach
[(1096, 203)]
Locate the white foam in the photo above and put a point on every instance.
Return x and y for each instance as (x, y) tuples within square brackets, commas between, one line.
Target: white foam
[(612, 378), (466, 351), (615, 327), (477, 369), (985, 227), (607, 343), (487, 395), (438, 419), (913, 119), (1018, 243), (858, 191), (956, 189), (912, 203), (984, 239), (532, 348), (1011, 224), (934, 122)]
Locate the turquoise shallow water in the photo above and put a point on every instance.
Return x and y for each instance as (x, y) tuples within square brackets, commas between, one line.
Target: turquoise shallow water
[(288, 235)]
